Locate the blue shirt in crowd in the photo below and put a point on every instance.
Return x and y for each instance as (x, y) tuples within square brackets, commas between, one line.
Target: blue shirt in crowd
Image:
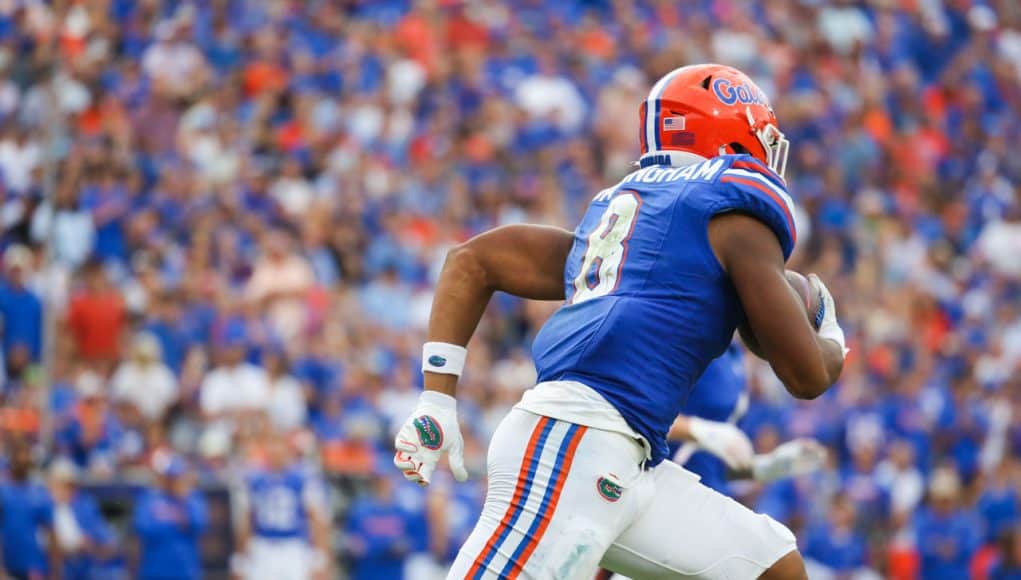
[(25, 509), (22, 320), (946, 543), (379, 529), (842, 550), (169, 528)]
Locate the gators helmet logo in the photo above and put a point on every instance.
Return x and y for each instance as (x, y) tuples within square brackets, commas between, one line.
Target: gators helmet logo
[(611, 491), (430, 434)]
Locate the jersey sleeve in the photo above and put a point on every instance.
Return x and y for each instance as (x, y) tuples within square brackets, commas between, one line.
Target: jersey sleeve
[(751, 187)]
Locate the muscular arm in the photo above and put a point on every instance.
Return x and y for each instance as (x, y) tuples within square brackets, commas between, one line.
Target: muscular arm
[(523, 260), (750, 253)]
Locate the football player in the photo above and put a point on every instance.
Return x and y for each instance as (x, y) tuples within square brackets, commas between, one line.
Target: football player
[(662, 269), (716, 449), (283, 520)]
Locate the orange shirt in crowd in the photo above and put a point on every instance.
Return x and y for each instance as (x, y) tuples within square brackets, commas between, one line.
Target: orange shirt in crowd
[(96, 321)]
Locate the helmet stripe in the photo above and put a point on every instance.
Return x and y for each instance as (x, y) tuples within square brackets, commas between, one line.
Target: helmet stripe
[(652, 102), (644, 133), (656, 127)]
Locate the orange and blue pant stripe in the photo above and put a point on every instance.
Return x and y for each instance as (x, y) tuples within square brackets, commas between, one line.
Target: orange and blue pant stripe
[(525, 484)]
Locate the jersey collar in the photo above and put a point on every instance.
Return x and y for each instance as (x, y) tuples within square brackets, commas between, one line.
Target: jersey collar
[(670, 158)]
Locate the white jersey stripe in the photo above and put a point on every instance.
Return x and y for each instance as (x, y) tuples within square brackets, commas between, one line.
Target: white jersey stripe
[(788, 201)]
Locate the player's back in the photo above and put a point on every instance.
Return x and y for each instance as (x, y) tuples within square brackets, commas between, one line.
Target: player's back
[(648, 305), (278, 502)]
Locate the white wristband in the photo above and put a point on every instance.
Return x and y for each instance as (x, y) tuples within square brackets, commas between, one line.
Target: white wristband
[(443, 358)]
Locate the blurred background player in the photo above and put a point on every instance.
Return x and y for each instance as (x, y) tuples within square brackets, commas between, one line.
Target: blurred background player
[(86, 541), (715, 448), (30, 550), (169, 519), (282, 519)]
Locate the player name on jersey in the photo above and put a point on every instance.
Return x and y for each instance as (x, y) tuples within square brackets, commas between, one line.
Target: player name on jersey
[(705, 171)]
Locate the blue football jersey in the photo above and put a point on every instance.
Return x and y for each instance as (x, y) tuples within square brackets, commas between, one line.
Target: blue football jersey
[(648, 306), (278, 502)]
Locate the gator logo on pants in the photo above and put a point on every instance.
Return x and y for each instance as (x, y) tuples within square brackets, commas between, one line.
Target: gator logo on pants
[(430, 435), (610, 491)]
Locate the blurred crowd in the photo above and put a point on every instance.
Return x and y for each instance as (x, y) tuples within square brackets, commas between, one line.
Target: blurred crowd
[(231, 214)]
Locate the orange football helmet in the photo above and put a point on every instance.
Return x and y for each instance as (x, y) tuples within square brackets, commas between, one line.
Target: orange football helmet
[(710, 110)]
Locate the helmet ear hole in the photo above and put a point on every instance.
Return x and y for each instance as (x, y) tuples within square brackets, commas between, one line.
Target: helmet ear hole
[(706, 81), (739, 148)]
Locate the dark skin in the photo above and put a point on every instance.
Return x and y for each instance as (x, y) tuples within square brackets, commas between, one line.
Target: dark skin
[(523, 260), (528, 261)]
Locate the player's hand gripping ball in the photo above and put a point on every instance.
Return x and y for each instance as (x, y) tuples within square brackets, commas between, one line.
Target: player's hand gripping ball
[(811, 297)]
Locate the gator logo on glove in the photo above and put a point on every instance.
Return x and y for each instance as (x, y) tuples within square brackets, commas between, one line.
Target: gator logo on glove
[(430, 434), (610, 490)]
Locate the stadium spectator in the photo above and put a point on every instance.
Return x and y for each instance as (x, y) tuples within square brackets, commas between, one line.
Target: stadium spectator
[(235, 388), (836, 549), (20, 155), (947, 535), (901, 480), (377, 535), (143, 381), (174, 64), (999, 504), (169, 519), (286, 406), (66, 226), (278, 285), (91, 437), (451, 512), (1008, 566), (21, 308), (96, 318)]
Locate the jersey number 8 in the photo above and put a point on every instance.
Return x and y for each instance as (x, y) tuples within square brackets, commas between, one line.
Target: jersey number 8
[(607, 248)]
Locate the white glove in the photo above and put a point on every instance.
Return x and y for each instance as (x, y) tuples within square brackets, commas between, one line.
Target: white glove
[(791, 459), (829, 327), (723, 440), (430, 431)]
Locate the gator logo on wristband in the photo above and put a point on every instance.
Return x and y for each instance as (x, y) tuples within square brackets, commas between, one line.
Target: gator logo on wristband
[(610, 491), (430, 434), (437, 361)]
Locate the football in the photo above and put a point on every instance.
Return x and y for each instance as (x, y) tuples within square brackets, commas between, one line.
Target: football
[(803, 288), (809, 297)]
